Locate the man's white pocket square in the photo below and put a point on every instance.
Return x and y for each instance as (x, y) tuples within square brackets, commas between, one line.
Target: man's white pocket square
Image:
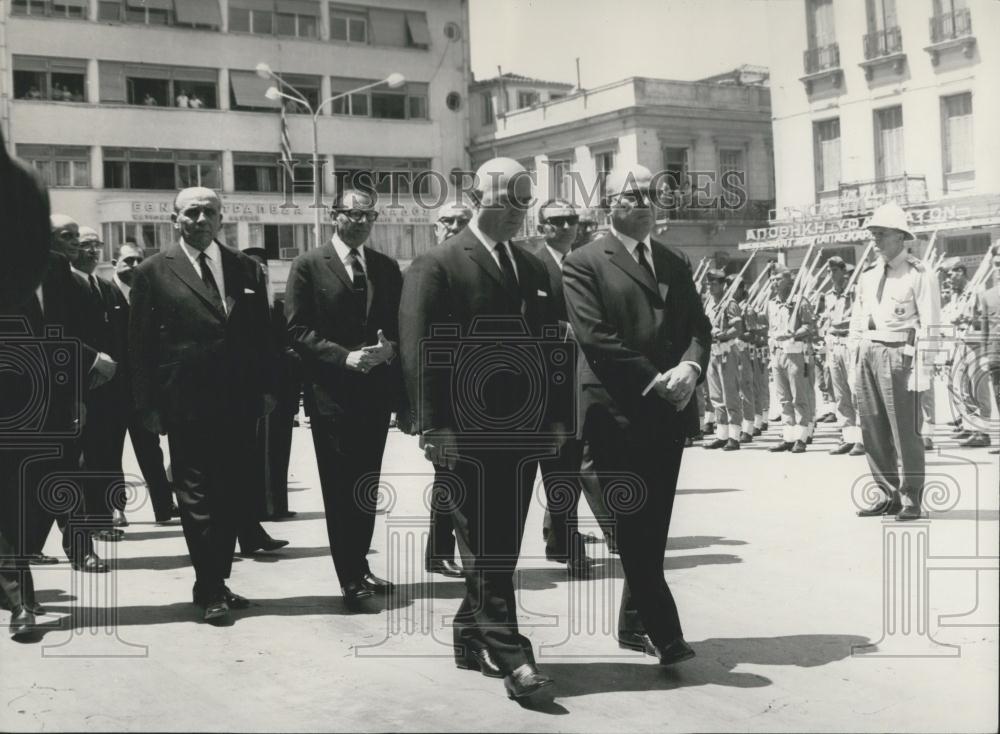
[(543, 294), (249, 290)]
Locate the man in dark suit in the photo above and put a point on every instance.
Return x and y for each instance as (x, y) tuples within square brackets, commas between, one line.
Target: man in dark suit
[(469, 306), (642, 328), (557, 223), (343, 301), (202, 372), (145, 443)]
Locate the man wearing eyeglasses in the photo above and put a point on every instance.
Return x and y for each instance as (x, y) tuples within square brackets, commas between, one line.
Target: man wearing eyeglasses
[(343, 304), (453, 217), (641, 325)]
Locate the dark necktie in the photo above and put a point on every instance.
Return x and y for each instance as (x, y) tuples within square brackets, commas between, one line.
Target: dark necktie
[(878, 293), (209, 280), (640, 251), (359, 281), (506, 268), (94, 287)]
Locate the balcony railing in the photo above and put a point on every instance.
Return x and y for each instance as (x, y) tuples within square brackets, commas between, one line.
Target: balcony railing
[(752, 210), (883, 43), (867, 195), (821, 58), (951, 25)]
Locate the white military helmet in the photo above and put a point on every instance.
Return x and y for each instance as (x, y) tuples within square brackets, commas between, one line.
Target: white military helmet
[(891, 216)]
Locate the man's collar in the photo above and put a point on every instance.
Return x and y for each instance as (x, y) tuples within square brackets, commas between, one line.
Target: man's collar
[(343, 249), (211, 252), (556, 255), (899, 260), (488, 242), (630, 242)]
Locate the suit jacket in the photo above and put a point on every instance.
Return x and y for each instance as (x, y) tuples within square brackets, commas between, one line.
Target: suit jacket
[(631, 329), (289, 361), (325, 325), (58, 340), (189, 359), (444, 292), (24, 221)]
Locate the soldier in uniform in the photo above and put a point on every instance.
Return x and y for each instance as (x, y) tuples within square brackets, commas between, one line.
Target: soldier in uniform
[(898, 302), (723, 365), (743, 351), (988, 321), (836, 304), (790, 328)]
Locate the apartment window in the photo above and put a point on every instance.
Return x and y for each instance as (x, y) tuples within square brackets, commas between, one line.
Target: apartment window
[(308, 86), (247, 92), (488, 113), (826, 144), (351, 104), (556, 95), (59, 80), (284, 241), (560, 182), (731, 161), (263, 173), (957, 133), (604, 164), (59, 165), (973, 244), (160, 170), (203, 14), (819, 23), (159, 86), (149, 236), (881, 15), (76, 9), (889, 142), (675, 164), (526, 99), (350, 26), (292, 18), (408, 102), (400, 176)]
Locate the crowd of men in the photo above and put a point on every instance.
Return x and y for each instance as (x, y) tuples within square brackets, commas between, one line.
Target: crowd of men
[(636, 359)]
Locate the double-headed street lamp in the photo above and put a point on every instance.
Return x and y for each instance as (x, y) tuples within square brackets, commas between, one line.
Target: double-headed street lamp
[(393, 81)]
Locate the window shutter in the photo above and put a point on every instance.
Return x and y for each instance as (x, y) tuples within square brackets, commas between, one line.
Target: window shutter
[(387, 27), (419, 32), (112, 81), (199, 12)]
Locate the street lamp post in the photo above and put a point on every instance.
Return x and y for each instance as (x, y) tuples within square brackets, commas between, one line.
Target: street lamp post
[(264, 71)]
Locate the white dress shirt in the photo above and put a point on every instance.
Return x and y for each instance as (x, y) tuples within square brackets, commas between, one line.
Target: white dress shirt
[(344, 252), (556, 255), (213, 258), (490, 244), (125, 287)]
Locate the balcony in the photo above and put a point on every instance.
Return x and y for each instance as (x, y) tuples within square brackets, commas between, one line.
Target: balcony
[(822, 62), (754, 210), (883, 48), (864, 196), (951, 30)]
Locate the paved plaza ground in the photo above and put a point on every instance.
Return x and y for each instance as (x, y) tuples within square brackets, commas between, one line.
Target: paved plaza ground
[(782, 591)]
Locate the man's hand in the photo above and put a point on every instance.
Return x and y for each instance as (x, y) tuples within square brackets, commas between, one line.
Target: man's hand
[(153, 421), (381, 352), (676, 385), (102, 371), (360, 360), (440, 447), (404, 422), (270, 403)]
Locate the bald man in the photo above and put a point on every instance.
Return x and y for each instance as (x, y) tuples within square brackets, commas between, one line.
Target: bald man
[(203, 373), (476, 279)]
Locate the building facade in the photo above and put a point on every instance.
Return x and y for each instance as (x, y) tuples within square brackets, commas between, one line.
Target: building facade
[(118, 103), (884, 100), (695, 134)]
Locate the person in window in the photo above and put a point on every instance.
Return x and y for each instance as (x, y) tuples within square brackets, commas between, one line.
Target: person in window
[(182, 99), (195, 101), (64, 94), (33, 93), (149, 100)]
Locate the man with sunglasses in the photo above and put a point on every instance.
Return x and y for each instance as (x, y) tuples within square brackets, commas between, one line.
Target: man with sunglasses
[(641, 325), (343, 305), (453, 217)]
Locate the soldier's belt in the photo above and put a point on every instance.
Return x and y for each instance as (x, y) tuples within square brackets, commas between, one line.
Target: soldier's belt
[(789, 346), (721, 348), (833, 341), (884, 336)]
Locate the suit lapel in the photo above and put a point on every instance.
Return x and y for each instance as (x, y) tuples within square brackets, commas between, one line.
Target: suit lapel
[(524, 280), (336, 265), (483, 259), (179, 264), (232, 275), (661, 265), (621, 257)]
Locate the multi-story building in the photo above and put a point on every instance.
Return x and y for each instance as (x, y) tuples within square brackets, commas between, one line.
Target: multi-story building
[(118, 103), (878, 100), (692, 133)]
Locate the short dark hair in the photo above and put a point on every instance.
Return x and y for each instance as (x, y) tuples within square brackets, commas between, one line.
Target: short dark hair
[(553, 203), (960, 267), (127, 243)]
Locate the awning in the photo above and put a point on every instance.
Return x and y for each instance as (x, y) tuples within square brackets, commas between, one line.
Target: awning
[(300, 7), (249, 89), (252, 4), (419, 33), (339, 84), (387, 27), (199, 12), (152, 4), (75, 3)]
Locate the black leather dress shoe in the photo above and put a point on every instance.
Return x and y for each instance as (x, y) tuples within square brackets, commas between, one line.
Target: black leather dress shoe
[(716, 444), (799, 447), (40, 559), (783, 446), (885, 507), (359, 598), (746, 437), (480, 659), (90, 563), (757, 432), (676, 651), (525, 682), (119, 520), (731, 445), (445, 568), (909, 512), (217, 613), (632, 641), (858, 450), (263, 542), (235, 601), (374, 583), (844, 448), (284, 515), (110, 535), (22, 623), (763, 426), (975, 441)]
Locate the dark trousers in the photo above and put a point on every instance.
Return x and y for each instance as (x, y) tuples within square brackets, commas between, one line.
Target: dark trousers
[(566, 477), (149, 456), (642, 518), (349, 457), (61, 503), (211, 475), (278, 447), (441, 536), (491, 493), (101, 446)]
